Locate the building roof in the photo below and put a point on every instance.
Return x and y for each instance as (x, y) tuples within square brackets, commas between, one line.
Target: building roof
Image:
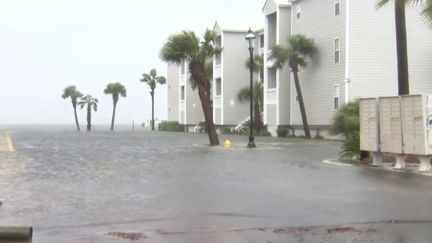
[(218, 29), (270, 6)]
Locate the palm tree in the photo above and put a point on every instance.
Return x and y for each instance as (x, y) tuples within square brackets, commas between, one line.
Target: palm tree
[(186, 46), (258, 99), (258, 66), (401, 39), (152, 79), (299, 49), (91, 103), (116, 90), (72, 93), (427, 12)]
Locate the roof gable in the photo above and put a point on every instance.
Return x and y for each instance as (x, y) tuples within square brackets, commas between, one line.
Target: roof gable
[(271, 6)]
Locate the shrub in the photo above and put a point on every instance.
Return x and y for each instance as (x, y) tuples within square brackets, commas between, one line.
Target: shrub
[(264, 133), (227, 131), (170, 126), (282, 132), (347, 123)]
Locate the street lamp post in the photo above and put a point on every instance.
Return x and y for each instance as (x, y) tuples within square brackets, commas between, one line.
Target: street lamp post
[(250, 37)]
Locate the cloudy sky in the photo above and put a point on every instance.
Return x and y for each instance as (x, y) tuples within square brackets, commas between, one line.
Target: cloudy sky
[(46, 45)]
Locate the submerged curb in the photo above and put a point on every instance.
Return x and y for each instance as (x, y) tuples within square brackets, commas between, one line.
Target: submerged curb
[(386, 166)]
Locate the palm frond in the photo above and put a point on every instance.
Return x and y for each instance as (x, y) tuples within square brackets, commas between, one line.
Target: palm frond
[(427, 12), (280, 55), (258, 63), (115, 89), (180, 47), (381, 3), (72, 92), (152, 79), (243, 94)]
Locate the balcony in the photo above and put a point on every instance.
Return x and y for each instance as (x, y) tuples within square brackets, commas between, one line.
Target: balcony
[(217, 102), (271, 96)]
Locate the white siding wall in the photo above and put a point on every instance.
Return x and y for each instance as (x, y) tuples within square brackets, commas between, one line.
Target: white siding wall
[(194, 112), (283, 86), (318, 21), (270, 41), (374, 60), (419, 52), (235, 76), (173, 73)]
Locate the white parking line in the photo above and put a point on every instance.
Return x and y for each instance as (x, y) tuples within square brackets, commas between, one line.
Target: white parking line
[(6, 144)]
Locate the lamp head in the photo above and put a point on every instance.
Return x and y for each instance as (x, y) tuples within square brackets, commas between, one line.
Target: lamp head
[(250, 37)]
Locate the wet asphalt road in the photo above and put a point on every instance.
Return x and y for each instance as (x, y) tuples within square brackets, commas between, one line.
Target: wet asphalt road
[(78, 187)]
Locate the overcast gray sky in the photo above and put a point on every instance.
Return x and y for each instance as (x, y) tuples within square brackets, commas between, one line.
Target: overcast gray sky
[(46, 45)]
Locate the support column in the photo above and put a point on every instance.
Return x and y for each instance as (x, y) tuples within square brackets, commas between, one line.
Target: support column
[(425, 164), (377, 159), (400, 162)]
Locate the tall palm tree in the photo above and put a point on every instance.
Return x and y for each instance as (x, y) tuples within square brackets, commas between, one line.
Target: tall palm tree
[(152, 79), (72, 93), (401, 38), (299, 49), (186, 46), (91, 103), (258, 66), (116, 90), (258, 100)]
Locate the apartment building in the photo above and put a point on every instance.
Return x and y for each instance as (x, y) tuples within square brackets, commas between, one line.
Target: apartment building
[(356, 57), (230, 75), (277, 85), (173, 85), (184, 104)]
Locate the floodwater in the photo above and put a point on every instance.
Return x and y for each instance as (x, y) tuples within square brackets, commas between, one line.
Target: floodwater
[(171, 187)]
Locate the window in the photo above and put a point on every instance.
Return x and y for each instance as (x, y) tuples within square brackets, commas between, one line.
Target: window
[(271, 81), (262, 41), (182, 93), (218, 87), (298, 12), (337, 7), (336, 96), (218, 59), (337, 50), (218, 56), (183, 67)]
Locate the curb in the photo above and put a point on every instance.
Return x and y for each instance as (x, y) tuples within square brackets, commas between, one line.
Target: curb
[(409, 169)]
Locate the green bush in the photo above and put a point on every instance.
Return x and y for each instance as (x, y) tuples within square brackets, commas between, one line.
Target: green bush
[(170, 126), (264, 133), (227, 131), (282, 132), (347, 123)]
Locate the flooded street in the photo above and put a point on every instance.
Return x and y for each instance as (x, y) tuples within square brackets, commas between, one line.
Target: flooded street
[(171, 187)]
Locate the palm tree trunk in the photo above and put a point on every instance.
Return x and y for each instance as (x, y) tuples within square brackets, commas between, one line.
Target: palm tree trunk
[(153, 122), (113, 115), (208, 115), (88, 117), (257, 117), (401, 47), (198, 74), (301, 104), (76, 119)]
